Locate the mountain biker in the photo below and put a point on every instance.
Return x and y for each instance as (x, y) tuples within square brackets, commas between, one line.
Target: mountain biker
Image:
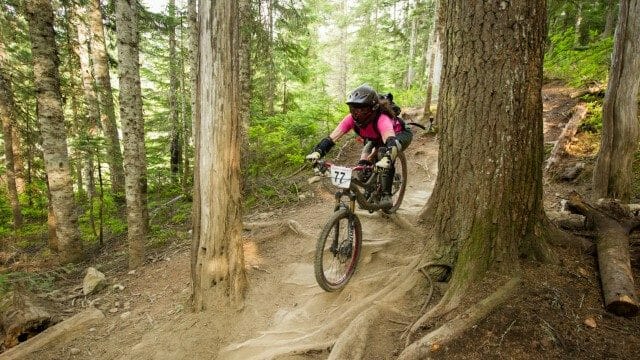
[(374, 119)]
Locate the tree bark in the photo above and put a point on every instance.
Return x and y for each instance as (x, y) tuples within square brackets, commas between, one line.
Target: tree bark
[(22, 318), (176, 145), (8, 116), (89, 127), (613, 257), (432, 49), (408, 81), (612, 175), (217, 258), (50, 117), (610, 19), (133, 129), (105, 97), (491, 145)]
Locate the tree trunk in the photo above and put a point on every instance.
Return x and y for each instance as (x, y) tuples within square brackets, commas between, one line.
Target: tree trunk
[(22, 318), (412, 51), (613, 255), (612, 175), (133, 129), (271, 66), (50, 117), (89, 127), (105, 97), (432, 49), (192, 15), (217, 258), (610, 19), (7, 115), (581, 32), (491, 145), (176, 144)]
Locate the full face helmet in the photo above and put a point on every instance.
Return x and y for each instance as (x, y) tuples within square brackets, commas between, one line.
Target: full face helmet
[(363, 105)]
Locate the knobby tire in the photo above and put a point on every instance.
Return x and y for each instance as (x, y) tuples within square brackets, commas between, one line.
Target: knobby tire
[(334, 269)]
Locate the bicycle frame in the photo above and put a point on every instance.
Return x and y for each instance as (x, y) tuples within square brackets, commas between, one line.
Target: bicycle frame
[(354, 192)]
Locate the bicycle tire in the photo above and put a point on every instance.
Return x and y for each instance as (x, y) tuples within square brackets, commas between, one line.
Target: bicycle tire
[(399, 183), (334, 267)]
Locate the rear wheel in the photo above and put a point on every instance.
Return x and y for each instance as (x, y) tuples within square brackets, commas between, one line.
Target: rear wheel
[(337, 250), (399, 183)]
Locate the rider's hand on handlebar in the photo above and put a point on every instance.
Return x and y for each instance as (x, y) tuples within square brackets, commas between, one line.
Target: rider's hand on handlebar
[(384, 163), (314, 156)]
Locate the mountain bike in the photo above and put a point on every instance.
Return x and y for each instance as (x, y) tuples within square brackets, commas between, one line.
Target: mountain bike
[(340, 241)]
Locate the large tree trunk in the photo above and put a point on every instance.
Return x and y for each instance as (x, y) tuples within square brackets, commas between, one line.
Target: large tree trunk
[(7, 115), (217, 258), (491, 145), (133, 129), (50, 117), (612, 173), (105, 97)]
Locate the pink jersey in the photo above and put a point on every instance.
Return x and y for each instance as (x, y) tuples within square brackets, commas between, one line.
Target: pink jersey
[(384, 123)]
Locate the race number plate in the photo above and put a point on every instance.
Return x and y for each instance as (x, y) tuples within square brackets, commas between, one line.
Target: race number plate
[(341, 176)]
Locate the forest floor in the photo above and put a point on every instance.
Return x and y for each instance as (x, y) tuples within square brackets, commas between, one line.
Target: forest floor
[(557, 314)]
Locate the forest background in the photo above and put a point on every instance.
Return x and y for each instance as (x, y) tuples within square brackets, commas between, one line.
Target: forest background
[(304, 56)]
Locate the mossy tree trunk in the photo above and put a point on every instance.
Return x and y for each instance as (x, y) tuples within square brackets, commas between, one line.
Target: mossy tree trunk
[(486, 207), (51, 120), (612, 175), (217, 257)]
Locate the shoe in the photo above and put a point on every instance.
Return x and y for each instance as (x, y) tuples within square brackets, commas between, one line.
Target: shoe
[(386, 202)]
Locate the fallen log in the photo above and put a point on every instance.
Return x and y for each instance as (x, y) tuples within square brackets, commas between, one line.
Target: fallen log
[(612, 245), (570, 129), (21, 318), (61, 332)]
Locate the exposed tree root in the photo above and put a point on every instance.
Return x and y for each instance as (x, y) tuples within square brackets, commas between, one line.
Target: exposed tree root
[(356, 318), (352, 343), (277, 229), (434, 340)]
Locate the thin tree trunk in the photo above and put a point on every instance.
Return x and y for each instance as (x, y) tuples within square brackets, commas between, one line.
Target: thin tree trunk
[(89, 129), (271, 67), (192, 18), (105, 97), (176, 145), (610, 19), (412, 51), (18, 163), (612, 175), (434, 38), (217, 257), (133, 129), (7, 115), (45, 59)]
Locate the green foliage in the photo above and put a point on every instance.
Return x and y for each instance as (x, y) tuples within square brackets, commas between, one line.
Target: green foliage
[(579, 67), (593, 121), (36, 283)]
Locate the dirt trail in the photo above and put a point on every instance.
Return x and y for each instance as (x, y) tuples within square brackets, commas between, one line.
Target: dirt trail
[(285, 310)]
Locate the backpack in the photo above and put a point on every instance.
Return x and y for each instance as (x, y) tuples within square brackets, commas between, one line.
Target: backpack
[(406, 134)]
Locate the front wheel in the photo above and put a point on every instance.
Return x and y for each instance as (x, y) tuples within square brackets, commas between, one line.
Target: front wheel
[(337, 250), (399, 183)]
